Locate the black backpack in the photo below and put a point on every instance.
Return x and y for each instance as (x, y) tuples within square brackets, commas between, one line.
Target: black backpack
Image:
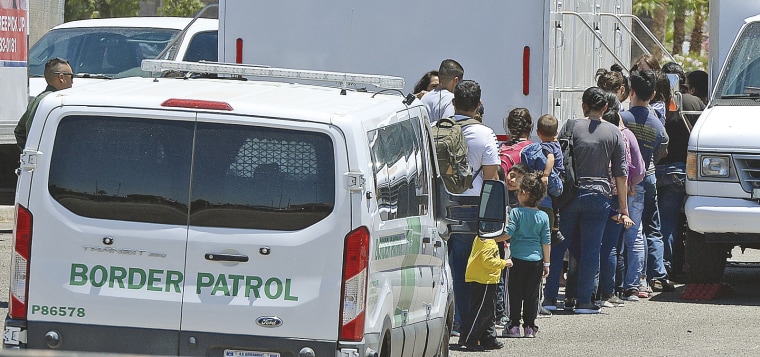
[(569, 180)]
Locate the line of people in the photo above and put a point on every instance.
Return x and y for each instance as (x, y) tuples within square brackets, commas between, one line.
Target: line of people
[(621, 241)]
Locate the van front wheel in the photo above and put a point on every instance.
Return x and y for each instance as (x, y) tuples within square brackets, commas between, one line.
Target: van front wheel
[(706, 262), (443, 349)]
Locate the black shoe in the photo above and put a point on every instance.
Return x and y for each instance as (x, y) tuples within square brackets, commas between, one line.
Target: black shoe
[(492, 345), (663, 285), (557, 237)]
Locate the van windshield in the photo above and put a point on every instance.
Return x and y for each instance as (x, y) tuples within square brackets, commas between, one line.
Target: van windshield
[(741, 76), (111, 52)]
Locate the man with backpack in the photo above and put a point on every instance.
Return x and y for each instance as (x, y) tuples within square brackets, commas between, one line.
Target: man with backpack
[(483, 158)]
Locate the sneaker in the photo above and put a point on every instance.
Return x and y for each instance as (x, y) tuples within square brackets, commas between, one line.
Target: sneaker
[(569, 304), (530, 332), (492, 345), (631, 294), (587, 309), (544, 312), (550, 305), (501, 323), (454, 333), (616, 301), (663, 285), (512, 331), (604, 303)]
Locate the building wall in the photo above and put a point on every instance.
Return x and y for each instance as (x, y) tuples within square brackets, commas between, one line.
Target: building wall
[(43, 15)]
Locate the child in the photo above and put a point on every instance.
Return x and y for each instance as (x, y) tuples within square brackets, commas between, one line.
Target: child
[(483, 271), (528, 232), (547, 130)]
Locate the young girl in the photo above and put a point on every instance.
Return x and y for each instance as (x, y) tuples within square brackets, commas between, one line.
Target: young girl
[(530, 246)]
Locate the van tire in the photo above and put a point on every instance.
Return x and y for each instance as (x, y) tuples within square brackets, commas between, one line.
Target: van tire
[(443, 348), (706, 262), (385, 345)]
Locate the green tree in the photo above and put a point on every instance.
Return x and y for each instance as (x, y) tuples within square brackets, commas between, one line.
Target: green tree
[(90, 9), (182, 8)]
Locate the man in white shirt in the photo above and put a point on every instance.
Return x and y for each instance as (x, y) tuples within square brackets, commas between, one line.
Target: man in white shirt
[(483, 156)]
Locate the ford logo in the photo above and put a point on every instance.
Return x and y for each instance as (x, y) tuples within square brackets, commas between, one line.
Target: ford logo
[(269, 321)]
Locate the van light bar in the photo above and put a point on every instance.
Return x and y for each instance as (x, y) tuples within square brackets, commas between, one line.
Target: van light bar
[(380, 81)]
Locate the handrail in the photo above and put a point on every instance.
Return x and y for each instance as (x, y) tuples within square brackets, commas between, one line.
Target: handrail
[(649, 33), (599, 37)]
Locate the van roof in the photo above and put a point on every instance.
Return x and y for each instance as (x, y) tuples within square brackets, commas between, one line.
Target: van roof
[(253, 97), (177, 23)]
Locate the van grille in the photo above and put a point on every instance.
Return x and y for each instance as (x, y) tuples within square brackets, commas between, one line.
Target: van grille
[(748, 168)]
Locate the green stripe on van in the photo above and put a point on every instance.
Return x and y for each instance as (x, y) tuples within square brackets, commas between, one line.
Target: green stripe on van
[(409, 267)]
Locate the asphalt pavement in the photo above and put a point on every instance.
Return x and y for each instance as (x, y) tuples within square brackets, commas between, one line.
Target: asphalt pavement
[(664, 325)]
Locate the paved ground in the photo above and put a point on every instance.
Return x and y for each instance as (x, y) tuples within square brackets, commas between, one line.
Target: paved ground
[(664, 325)]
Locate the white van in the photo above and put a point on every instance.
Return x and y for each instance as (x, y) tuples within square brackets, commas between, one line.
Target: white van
[(222, 217), (99, 49)]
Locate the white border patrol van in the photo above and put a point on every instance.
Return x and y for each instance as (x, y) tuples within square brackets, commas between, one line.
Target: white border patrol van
[(223, 217)]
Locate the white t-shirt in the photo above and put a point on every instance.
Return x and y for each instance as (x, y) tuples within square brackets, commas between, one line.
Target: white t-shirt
[(438, 104), (482, 149)]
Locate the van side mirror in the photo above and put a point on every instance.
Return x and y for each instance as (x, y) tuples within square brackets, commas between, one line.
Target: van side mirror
[(492, 212)]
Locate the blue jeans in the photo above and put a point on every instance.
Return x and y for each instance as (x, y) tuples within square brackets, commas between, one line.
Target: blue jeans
[(460, 246), (671, 195), (634, 244), (608, 255), (588, 213), (655, 267)]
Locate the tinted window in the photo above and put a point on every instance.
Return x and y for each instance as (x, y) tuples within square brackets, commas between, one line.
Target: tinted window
[(263, 178), (203, 47), (399, 171), (115, 52), (122, 168)]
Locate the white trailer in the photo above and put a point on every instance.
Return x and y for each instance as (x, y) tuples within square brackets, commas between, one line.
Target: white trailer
[(535, 54)]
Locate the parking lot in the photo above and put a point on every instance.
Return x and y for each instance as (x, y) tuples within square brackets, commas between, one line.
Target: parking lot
[(664, 325)]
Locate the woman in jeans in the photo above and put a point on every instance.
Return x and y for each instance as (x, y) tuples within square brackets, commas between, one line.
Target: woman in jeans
[(596, 144)]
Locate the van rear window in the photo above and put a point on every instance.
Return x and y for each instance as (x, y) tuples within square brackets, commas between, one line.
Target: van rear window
[(204, 174)]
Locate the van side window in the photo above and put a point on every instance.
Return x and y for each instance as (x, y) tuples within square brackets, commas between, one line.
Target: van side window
[(399, 171), (261, 178), (122, 168), (202, 47)]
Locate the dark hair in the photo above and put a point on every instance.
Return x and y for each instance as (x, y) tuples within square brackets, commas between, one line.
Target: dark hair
[(518, 123), (466, 95), (612, 114), (675, 68), (643, 83), (424, 82), (626, 82), (547, 125), (609, 80), (698, 80), (51, 66), (520, 168), (594, 98), (663, 89), (531, 183), (449, 70)]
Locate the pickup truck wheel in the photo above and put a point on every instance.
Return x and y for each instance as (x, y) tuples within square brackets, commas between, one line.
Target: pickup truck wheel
[(706, 261)]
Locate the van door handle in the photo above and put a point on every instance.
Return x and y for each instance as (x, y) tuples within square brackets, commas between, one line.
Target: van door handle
[(226, 257)]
